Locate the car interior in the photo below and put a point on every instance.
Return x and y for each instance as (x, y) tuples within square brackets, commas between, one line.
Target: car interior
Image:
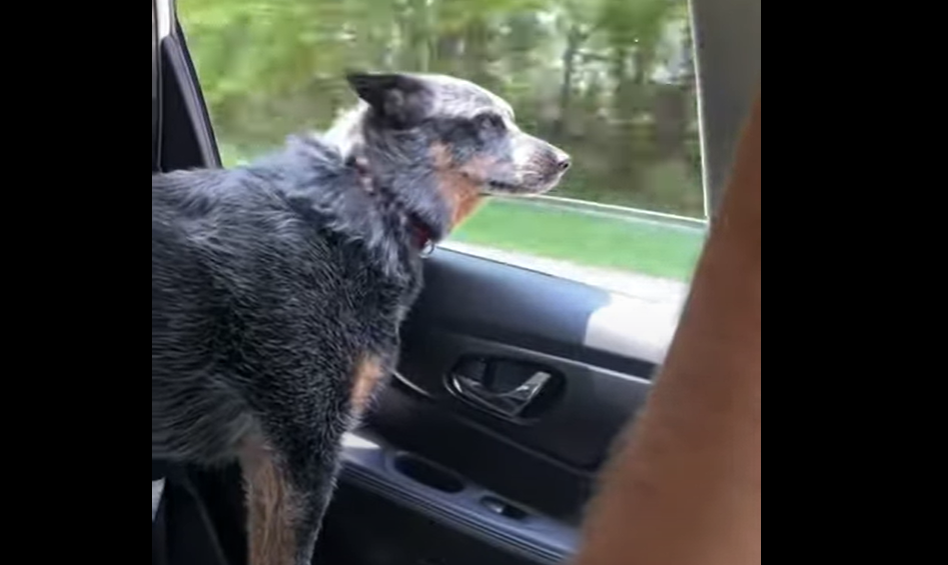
[(512, 383)]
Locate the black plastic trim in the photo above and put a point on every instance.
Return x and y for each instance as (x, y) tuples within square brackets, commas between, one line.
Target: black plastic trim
[(155, 92), (414, 423), (535, 537), (187, 139)]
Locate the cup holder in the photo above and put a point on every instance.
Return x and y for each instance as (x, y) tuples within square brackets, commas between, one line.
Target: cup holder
[(427, 473)]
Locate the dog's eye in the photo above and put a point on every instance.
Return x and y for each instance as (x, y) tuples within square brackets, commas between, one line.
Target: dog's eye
[(490, 121)]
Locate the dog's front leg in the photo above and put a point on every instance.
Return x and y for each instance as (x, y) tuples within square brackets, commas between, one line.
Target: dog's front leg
[(284, 511)]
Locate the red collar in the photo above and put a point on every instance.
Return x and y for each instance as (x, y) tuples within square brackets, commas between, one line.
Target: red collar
[(420, 235), (420, 232)]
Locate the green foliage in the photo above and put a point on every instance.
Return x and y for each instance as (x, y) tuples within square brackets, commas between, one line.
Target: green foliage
[(581, 73)]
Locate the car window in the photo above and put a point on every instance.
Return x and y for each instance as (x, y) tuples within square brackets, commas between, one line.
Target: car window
[(610, 81)]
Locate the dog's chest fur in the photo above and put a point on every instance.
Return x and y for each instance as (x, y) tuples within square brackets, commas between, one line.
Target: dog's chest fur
[(277, 292)]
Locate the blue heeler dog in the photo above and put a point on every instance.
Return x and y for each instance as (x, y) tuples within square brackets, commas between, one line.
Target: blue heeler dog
[(277, 288)]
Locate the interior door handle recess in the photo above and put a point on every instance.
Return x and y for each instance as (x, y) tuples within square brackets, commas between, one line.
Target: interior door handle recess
[(513, 390)]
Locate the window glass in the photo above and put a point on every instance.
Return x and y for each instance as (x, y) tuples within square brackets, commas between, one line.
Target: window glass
[(610, 81)]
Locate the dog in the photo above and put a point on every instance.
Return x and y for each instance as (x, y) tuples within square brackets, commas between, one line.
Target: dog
[(278, 287)]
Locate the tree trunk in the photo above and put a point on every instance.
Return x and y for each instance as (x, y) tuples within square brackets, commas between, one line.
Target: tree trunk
[(414, 28), (477, 56), (671, 121), (573, 42), (625, 150)]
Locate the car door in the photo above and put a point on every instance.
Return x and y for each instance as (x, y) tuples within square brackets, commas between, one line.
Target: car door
[(518, 367)]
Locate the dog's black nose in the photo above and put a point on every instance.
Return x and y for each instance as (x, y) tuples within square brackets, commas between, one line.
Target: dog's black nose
[(558, 159)]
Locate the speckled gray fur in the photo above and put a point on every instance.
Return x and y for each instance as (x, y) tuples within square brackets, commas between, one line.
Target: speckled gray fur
[(272, 280)]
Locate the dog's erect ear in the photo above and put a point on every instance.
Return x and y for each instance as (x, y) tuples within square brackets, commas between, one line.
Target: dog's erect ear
[(401, 100)]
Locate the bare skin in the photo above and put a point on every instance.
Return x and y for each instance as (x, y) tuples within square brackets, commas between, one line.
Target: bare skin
[(685, 489)]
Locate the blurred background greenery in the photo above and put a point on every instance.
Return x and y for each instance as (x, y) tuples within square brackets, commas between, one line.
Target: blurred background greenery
[(610, 81)]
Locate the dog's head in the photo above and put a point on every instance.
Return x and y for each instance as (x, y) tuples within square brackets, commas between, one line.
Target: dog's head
[(446, 134)]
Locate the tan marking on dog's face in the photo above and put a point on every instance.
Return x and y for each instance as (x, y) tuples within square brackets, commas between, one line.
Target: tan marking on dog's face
[(271, 506), (368, 374), (460, 185), (465, 205)]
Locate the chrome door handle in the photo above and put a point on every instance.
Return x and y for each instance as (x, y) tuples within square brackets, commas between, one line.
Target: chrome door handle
[(509, 404)]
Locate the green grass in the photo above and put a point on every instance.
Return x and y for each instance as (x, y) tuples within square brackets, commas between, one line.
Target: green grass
[(640, 247)]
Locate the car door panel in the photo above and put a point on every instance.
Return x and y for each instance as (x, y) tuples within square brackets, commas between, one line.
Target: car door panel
[(479, 453), (367, 529), (573, 424), (455, 502), (473, 308), (538, 464)]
